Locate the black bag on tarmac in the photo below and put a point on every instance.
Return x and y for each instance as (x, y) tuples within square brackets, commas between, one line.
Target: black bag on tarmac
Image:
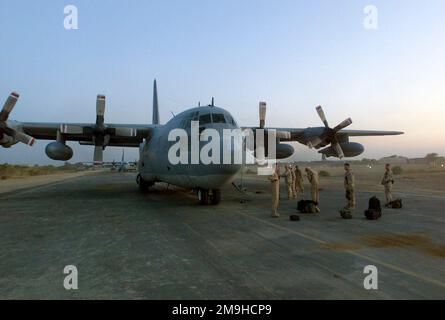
[(374, 211), (371, 214), (396, 204), (374, 204), (307, 206)]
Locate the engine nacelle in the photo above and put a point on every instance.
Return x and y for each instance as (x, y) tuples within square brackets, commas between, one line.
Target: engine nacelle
[(58, 151), (284, 150), (350, 149)]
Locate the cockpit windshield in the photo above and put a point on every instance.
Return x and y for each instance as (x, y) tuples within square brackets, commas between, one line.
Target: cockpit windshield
[(218, 118), (230, 120), (204, 119)]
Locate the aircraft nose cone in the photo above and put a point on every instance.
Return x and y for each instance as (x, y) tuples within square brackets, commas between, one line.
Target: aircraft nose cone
[(216, 174)]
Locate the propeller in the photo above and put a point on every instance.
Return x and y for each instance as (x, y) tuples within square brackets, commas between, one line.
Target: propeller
[(100, 139), (99, 131), (5, 129), (329, 134)]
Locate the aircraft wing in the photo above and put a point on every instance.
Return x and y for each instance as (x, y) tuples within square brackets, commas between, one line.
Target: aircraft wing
[(303, 135), (98, 134), (369, 133), (121, 135), (335, 139)]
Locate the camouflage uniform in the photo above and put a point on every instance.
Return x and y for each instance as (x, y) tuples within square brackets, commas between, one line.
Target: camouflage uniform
[(312, 176), (275, 182), (289, 181), (350, 190), (294, 182), (298, 180), (387, 182), (279, 178)]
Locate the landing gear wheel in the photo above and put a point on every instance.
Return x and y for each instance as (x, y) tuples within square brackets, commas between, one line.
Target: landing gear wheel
[(215, 197), (203, 196), (143, 185)]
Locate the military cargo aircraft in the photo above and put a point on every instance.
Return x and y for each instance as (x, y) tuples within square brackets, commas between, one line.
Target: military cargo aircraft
[(154, 145)]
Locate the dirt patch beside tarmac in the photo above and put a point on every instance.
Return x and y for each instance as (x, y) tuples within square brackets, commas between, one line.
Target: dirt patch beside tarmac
[(414, 241)]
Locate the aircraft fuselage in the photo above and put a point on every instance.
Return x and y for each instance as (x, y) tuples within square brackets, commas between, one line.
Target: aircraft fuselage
[(155, 165)]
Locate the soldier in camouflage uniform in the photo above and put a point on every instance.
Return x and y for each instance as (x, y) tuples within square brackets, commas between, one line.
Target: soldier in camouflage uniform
[(298, 180), (275, 183), (294, 182), (312, 176), (288, 180), (387, 182), (349, 184)]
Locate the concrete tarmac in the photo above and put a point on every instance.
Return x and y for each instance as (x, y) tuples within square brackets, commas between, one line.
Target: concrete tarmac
[(163, 245)]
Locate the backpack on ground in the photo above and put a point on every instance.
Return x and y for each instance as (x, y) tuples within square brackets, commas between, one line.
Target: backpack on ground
[(374, 204), (371, 214), (396, 204), (307, 206), (374, 211)]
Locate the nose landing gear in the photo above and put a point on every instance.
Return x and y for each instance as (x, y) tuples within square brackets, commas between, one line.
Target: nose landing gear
[(206, 196), (143, 185)]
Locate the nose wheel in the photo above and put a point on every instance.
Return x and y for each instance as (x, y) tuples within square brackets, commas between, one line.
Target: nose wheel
[(143, 185), (206, 196)]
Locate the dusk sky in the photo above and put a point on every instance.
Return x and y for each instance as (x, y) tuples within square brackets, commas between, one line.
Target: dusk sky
[(293, 54)]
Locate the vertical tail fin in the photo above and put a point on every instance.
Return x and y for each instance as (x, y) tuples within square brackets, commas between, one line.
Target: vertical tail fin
[(155, 104)]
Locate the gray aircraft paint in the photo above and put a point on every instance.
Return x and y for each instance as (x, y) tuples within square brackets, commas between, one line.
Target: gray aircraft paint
[(155, 166)]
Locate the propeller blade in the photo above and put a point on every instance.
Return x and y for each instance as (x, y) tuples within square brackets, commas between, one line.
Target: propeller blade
[(8, 106), (314, 142), (262, 110), (20, 136), (338, 150), (100, 109), (343, 125), (98, 155), (70, 129), (126, 132), (322, 116)]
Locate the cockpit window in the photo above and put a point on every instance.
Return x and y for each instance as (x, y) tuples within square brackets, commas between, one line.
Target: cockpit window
[(230, 120), (185, 123), (204, 119), (218, 118)]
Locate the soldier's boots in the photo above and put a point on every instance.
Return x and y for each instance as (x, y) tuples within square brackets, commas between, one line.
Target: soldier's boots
[(346, 213)]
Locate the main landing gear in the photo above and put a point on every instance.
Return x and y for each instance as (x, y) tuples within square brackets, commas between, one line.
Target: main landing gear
[(206, 196)]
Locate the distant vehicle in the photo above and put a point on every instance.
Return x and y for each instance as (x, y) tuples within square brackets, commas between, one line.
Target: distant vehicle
[(153, 143)]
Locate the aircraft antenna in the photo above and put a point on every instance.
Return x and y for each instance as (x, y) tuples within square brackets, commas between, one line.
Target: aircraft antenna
[(155, 119)]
